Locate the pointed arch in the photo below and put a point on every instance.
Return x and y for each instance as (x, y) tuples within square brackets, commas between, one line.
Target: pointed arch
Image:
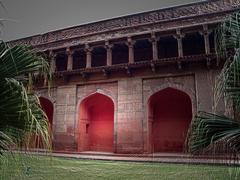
[(96, 123), (169, 117), (48, 108)]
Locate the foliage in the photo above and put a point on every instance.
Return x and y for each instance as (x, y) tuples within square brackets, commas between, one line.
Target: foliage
[(21, 116), (209, 129)]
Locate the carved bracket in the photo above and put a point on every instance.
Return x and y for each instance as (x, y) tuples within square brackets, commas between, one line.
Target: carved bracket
[(84, 75), (179, 64), (128, 71), (153, 67), (105, 72)]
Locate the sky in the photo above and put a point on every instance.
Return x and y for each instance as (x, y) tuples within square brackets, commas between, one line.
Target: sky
[(23, 18)]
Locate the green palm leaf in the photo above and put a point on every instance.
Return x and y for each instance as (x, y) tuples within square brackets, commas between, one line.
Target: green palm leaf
[(21, 116), (209, 129)]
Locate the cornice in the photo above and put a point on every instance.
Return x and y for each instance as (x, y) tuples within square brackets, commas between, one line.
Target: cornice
[(136, 23)]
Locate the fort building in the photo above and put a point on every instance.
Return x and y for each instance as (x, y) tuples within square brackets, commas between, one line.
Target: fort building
[(132, 84)]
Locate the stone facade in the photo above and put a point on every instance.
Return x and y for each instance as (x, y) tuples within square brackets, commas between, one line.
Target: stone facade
[(130, 97), (131, 84)]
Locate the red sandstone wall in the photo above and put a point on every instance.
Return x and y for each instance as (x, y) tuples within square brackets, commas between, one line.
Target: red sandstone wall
[(130, 116), (64, 125), (131, 129)]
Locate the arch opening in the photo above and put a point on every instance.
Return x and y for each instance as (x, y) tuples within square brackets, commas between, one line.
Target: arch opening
[(193, 44), (212, 42), (167, 47), (47, 107), (99, 57), (79, 59), (96, 122), (61, 62), (169, 115), (120, 54), (142, 50)]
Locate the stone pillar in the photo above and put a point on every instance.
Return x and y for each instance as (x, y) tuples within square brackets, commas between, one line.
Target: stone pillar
[(109, 53), (89, 56), (130, 116), (64, 116), (154, 46), (52, 56), (179, 37), (205, 34), (70, 59), (130, 50)]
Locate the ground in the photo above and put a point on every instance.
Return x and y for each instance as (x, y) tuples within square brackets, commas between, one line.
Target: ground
[(37, 167)]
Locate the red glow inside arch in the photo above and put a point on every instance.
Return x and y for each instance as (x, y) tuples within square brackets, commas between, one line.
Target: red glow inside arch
[(96, 124), (170, 114)]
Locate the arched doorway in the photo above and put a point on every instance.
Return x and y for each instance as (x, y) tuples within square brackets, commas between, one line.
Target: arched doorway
[(170, 114), (96, 122), (47, 107)]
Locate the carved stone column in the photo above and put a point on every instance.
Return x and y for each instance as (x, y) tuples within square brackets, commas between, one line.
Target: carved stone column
[(109, 53), (89, 56), (205, 34), (179, 36), (154, 47), (70, 59), (52, 57), (130, 44)]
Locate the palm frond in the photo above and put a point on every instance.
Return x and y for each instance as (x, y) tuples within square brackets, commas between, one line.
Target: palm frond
[(19, 61), (227, 36), (228, 82), (21, 114), (228, 48), (5, 142), (209, 129)]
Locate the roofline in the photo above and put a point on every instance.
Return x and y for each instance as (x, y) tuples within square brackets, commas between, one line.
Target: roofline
[(118, 17), (130, 15)]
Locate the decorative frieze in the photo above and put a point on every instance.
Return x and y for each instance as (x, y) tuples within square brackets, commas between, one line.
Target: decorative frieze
[(137, 20)]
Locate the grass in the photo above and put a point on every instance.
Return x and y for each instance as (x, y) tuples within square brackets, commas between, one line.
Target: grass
[(26, 167)]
